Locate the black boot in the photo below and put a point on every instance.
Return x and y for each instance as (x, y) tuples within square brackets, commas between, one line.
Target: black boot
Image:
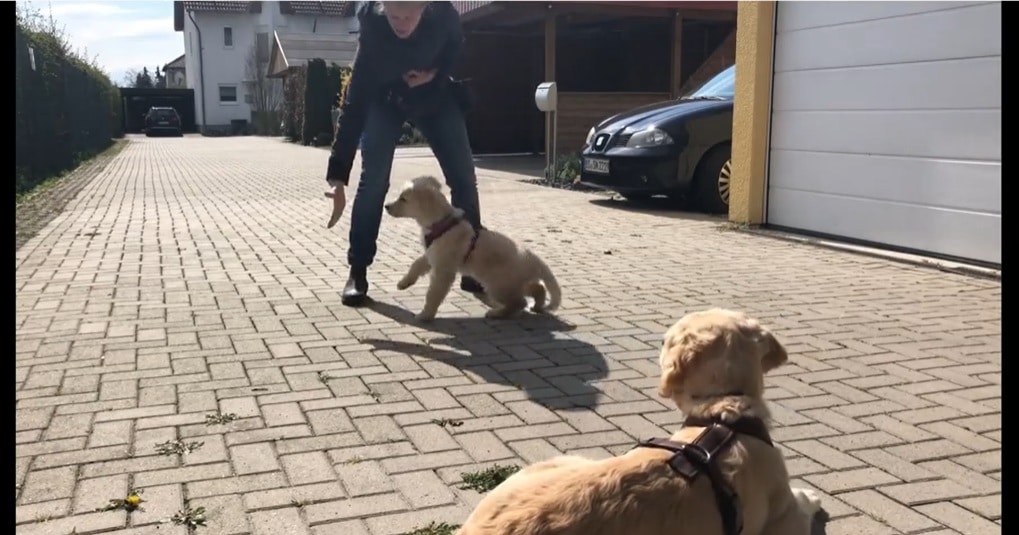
[(355, 293), (469, 285)]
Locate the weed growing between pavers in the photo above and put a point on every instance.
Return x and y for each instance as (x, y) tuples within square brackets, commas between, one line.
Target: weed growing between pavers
[(131, 503), (177, 447), (488, 478), (219, 418), (434, 529), (729, 226), (443, 422), (324, 378), (482, 481), (189, 518)]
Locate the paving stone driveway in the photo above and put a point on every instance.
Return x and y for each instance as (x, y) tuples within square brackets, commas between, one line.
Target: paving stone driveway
[(195, 275)]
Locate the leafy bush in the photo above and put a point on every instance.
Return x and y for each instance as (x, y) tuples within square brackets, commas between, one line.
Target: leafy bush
[(66, 108), (410, 135), (566, 172)]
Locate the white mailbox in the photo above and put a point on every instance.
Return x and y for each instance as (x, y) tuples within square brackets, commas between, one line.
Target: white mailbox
[(545, 97)]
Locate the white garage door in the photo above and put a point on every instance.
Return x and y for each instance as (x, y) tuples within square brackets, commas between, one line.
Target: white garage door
[(886, 124)]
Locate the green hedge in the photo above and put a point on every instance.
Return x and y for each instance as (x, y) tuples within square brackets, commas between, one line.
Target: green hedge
[(67, 110), (321, 89), (316, 105)]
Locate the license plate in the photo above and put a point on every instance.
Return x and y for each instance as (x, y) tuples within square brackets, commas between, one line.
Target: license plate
[(596, 165), (164, 122)]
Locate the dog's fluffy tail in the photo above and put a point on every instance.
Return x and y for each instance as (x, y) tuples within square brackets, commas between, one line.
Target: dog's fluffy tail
[(555, 293)]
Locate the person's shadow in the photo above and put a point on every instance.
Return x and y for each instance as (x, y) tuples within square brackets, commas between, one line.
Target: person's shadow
[(530, 353)]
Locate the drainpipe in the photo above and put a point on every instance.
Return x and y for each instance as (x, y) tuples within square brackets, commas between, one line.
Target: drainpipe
[(201, 69)]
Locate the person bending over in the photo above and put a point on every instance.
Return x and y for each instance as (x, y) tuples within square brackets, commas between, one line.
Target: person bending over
[(401, 72)]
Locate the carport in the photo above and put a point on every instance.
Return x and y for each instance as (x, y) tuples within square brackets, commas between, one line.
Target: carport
[(605, 57), (137, 101)]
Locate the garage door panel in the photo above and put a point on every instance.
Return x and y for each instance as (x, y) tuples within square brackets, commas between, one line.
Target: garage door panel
[(953, 185), (886, 124), (949, 84), (953, 233), (955, 134), (929, 36), (815, 14)]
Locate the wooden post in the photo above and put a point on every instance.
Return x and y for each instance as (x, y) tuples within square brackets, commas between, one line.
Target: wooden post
[(550, 42), (677, 54)]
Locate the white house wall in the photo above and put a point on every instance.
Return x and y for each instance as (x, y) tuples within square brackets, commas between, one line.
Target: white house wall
[(886, 124), (228, 65)]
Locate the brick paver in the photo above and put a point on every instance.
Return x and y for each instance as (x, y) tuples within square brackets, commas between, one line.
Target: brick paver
[(195, 277)]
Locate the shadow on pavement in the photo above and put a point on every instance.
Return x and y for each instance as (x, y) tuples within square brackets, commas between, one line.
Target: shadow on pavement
[(530, 353), (530, 166), (660, 206)]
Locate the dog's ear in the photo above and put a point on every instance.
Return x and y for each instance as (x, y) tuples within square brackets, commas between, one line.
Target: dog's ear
[(681, 351), (773, 353), (672, 370)]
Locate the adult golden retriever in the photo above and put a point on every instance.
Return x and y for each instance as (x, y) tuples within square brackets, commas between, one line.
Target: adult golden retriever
[(509, 272), (712, 366)]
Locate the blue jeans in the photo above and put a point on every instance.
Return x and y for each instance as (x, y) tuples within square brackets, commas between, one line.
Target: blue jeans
[(446, 132)]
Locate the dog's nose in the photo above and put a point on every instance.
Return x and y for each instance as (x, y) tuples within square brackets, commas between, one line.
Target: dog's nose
[(389, 208)]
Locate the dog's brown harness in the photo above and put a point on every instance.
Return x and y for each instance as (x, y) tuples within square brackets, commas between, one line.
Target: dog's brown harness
[(689, 460), (443, 226)]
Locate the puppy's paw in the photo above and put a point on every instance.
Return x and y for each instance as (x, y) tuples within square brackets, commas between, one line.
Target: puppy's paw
[(405, 283), (425, 316), (808, 500)]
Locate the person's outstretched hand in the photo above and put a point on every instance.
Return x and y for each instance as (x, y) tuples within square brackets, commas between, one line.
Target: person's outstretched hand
[(339, 198), (416, 78)]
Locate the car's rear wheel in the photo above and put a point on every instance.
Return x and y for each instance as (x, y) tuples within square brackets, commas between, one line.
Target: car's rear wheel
[(712, 180)]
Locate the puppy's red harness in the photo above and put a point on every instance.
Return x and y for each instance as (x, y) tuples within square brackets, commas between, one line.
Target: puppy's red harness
[(689, 460), (443, 226)]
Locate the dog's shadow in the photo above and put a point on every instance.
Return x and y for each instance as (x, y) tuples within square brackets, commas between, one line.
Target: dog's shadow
[(531, 353)]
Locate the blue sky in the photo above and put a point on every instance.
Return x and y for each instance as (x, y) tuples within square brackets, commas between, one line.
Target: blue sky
[(125, 36)]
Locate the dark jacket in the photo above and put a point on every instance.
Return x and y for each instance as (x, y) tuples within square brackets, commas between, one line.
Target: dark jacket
[(381, 60)]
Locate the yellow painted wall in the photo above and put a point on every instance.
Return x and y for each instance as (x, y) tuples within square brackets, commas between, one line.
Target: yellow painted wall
[(755, 40)]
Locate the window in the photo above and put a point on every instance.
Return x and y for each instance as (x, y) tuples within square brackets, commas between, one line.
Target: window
[(228, 94), (262, 46), (228, 36)]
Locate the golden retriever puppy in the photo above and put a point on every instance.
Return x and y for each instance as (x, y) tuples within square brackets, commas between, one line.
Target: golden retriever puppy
[(509, 272), (712, 366)]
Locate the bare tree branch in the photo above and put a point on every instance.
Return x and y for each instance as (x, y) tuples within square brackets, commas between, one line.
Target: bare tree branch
[(266, 93)]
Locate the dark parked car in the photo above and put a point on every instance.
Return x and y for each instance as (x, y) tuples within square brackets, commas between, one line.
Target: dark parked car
[(162, 121), (678, 148)]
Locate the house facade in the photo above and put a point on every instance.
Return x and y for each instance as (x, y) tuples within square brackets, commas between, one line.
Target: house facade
[(227, 48), (894, 141), (175, 73)]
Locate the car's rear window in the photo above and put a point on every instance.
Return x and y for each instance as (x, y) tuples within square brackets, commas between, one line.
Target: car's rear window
[(162, 113)]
